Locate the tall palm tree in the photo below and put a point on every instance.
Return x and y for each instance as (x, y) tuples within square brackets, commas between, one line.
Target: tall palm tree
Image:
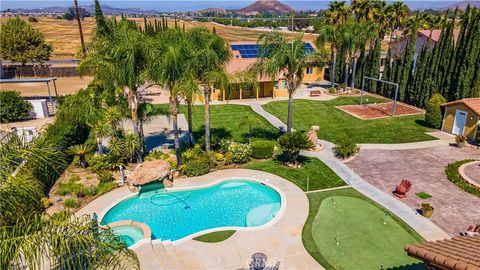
[(337, 12), (121, 58), (399, 13), (287, 59), (168, 63), (360, 33), (79, 22), (188, 87), (328, 33), (210, 53)]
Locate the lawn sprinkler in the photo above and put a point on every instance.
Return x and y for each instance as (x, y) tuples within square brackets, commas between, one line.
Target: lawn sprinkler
[(337, 240)]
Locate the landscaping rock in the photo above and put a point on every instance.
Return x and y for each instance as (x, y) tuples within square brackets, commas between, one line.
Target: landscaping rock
[(150, 171)]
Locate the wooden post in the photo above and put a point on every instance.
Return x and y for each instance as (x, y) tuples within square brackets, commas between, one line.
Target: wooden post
[(256, 92), (240, 93), (223, 94), (55, 88)]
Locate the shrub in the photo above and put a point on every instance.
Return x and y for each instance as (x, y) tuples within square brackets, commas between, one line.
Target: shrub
[(105, 187), (460, 139), (224, 145), (155, 155), (13, 106), (262, 149), (346, 147), (45, 202), (105, 176), (32, 20), (434, 112), (72, 187), (454, 176), (292, 143), (196, 167), (192, 154), (104, 162), (240, 152), (71, 203)]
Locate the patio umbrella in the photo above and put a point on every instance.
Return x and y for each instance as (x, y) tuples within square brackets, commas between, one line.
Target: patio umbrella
[(150, 171)]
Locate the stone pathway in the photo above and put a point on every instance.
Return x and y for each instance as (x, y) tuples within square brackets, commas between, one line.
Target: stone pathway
[(421, 225), (443, 139)]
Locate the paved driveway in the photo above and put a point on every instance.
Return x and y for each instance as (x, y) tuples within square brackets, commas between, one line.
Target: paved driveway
[(454, 208)]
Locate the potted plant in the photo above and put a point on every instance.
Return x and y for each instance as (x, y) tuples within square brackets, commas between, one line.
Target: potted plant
[(427, 210), (460, 141)]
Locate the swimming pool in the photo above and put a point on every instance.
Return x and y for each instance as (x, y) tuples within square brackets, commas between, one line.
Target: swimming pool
[(129, 234), (173, 215)]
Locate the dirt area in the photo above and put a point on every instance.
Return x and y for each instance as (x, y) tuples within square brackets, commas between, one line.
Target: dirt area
[(379, 110), (65, 85), (455, 209), (39, 124)]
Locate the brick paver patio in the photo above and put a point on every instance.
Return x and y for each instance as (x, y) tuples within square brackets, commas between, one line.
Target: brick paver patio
[(454, 208)]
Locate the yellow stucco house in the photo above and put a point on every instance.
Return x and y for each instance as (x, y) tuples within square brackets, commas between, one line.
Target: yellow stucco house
[(462, 117), (244, 54)]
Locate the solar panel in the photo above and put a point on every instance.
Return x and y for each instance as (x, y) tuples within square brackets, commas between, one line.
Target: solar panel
[(253, 50)]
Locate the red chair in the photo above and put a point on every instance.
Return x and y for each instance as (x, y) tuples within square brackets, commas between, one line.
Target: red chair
[(402, 189)]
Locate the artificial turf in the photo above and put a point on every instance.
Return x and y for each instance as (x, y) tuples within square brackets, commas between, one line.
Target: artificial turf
[(319, 175), (335, 123), (227, 121), (368, 236), (215, 237)]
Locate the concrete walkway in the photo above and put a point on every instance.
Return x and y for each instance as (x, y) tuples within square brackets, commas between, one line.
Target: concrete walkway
[(421, 225), (443, 139)]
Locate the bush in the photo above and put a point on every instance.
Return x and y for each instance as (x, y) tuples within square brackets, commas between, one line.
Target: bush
[(104, 162), (71, 203), (292, 143), (240, 152), (105, 187), (262, 149), (346, 147), (72, 187), (155, 155), (192, 154), (13, 106), (105, 176), (45, 202), (454, 176), (434, 112), (196, 167), (32, 20)]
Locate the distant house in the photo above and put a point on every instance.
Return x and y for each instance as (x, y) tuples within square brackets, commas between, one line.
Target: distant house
[(246, 54), (398, 46), (462, 117)]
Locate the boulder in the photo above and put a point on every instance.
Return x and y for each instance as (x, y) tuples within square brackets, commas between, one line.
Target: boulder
[(150, 171)]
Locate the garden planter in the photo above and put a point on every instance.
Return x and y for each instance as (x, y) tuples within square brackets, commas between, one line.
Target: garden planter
[(460, 144), (427, 211)]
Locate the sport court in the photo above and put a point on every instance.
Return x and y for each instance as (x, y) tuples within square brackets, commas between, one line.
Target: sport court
[(379, 110)]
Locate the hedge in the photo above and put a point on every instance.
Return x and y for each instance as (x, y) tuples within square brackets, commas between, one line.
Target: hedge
[(196, 167), (262, 149)]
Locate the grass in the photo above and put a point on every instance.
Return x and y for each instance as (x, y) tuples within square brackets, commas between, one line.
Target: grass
[(319, 174), (357, 223), (226, 122), (423, 195), (452, 174), (334, 123), (215, 237)]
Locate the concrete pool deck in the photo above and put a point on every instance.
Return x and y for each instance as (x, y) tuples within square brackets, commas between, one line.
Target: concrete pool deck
[(280, 239)]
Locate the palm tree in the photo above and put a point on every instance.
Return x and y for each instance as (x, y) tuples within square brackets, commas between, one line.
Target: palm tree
[(121, 59), (337, 12), (188, 87), (62, 242), (79, 22), (80, 150), (102, 130), (210, 54), (360, 33), (287, 59), (328, 33), (132, 146), (399, 13)]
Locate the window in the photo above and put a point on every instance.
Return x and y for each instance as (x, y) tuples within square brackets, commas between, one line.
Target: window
[(309, 70), (276, 85), (284, 84)]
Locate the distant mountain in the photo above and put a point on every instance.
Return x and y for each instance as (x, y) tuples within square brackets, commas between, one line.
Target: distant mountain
[(264, 6), (91, 9), (463, 4), (213, 10)]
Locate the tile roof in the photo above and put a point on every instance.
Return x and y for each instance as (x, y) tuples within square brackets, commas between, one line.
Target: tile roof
[(436, 34), (243, 64), (472, 103), (458, 253)]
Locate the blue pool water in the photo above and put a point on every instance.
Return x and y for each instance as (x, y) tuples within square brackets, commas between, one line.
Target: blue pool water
[(174, 215), (128, 233)]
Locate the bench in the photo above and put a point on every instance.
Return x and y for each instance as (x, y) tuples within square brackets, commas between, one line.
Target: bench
[(315, 93)]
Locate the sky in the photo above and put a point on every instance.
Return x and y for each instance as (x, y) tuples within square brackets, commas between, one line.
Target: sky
[(191, 5)]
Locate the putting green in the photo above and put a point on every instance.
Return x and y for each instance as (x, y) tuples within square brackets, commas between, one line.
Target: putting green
[(351, 233)]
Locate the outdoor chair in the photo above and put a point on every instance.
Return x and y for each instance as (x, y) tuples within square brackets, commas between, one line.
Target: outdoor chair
[(402, 189)]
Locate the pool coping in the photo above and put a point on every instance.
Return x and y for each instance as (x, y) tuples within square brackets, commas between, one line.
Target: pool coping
[(147, 232), (280, 213)]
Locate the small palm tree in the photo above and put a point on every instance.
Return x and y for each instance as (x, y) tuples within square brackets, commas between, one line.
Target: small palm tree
[(62, 242), (132, 146), (292, 143), (116, 147), (289, 59), (102, 130), (80, 150)]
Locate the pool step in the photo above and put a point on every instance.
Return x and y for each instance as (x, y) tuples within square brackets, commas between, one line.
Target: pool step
[(166, 254), (170, 253)]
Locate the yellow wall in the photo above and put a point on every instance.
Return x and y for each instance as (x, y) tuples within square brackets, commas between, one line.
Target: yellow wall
[(449, 118), (317, 75)]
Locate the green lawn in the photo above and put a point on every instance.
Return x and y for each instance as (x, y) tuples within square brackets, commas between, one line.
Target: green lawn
[(334, 122), (227, 121), (368, 237), (215, 237), (320, 175)]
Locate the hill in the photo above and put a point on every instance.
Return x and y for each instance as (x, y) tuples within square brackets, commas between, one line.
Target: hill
[(265, 6), (463, 5)]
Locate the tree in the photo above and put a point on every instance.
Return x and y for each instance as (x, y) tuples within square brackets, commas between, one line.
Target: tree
[(328, 33), (121, 59), (102, 26), (63, 242), (102, 130), (13, 106), (434, 112), (210, 53), (188, 87), (288, 59), (21, 43), (292, 143), (337, 12), (80, 150)]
